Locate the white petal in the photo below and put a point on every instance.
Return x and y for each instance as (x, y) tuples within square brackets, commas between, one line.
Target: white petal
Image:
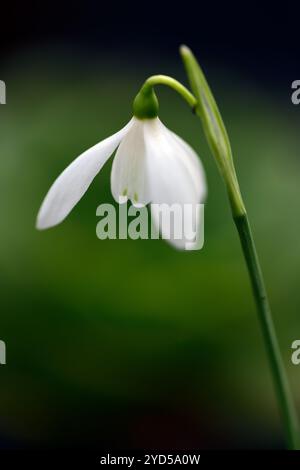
[(193, 165), (73, 182), (175, 174), (129, 176)]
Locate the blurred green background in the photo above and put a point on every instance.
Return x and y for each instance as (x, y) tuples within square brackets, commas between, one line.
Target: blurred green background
[(131, 344)]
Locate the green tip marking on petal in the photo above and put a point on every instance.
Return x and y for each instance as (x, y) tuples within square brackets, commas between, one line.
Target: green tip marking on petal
[(124, 193), (136, 197)]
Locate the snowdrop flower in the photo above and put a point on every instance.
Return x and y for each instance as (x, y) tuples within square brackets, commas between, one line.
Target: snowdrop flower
[(151, 165)]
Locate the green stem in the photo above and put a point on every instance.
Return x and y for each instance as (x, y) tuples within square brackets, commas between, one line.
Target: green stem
[(286, 404), (145, 105), (172, 83), (217, 137)]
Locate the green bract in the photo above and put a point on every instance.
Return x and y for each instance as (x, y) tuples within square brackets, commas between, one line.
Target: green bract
[(214, 128)]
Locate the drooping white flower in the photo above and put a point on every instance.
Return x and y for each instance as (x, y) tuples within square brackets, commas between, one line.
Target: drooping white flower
[(151, 165)]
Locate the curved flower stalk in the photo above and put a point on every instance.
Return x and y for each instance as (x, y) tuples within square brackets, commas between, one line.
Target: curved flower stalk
[(151, 165)]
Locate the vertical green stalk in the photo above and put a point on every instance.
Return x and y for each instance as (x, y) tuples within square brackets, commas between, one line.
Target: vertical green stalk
[(285, 401), (218, 140)]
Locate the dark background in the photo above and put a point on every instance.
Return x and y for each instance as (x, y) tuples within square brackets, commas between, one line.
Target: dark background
[(256, 37), (132, 344)]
